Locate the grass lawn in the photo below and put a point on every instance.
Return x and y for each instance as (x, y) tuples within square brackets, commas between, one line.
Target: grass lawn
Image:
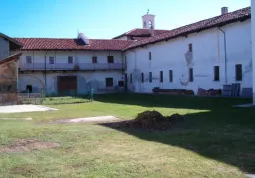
[(215, 140)]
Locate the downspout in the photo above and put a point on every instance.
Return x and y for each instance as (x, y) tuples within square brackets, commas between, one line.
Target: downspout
[(225, 51), (45, 80)]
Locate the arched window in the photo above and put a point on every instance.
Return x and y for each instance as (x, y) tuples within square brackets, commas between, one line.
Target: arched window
[(150, 24)]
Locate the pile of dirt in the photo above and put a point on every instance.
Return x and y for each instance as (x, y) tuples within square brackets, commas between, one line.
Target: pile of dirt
[(25, 145), (154, 120)]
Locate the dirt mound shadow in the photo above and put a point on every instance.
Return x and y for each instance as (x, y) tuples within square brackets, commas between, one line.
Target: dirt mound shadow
[(25, 145)]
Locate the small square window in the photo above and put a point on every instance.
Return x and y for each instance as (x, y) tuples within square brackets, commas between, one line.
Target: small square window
[(51, 60), (29, 59), (109, 82), (70, 59), (94, 59), (110, 59)]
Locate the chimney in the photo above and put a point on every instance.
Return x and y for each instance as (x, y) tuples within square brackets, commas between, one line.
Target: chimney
[(224, 10)]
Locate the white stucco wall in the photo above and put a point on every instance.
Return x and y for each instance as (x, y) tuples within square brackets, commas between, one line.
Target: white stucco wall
[(122, 38), (61, 57), (4, 48), (208, 51), (253, 44), (85, 79)]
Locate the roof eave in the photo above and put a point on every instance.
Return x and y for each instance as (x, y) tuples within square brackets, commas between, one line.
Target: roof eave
[(241, 19)]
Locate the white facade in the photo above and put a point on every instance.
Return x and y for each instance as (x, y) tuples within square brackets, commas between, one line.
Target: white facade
[(253, 44), (207, 51), (86, 79)]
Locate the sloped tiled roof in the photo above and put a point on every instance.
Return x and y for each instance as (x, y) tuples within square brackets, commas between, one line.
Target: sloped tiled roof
[(141, 36), (239, 15), (141, 32), (10, 58), (72, 44), (14, 44)]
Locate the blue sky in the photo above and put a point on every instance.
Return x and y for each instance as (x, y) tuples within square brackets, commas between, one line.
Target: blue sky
[(102, 18)]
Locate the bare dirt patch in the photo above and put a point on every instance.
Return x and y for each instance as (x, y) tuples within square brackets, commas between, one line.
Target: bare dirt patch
[(26, 171), (25, 145)]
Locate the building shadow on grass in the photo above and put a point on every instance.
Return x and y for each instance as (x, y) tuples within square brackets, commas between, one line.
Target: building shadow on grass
[(171, 101), (223, 133)]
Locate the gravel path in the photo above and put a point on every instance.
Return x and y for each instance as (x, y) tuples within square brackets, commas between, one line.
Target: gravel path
[(24, 108), (88, 119)]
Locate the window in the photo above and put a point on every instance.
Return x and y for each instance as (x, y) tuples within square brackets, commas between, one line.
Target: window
[(70, 59), (110, 59), (130, 78), (191, 79), (170, 75), (216, 73), (142, 77), (190, 48), (29, 59), (51, 60), (150, 24), (239, 72), (150, 77), (109, 82), (121, 83), (29, 88), (161, 76), (149, 55), (94, 59)]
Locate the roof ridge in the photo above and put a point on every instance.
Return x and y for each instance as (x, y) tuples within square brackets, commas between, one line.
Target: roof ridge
[(210, 20)]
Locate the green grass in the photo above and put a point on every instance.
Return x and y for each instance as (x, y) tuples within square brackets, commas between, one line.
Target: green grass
[(215, 140)]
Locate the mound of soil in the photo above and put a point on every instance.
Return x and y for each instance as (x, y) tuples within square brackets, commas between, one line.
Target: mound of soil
[(154, 120), (25, 145)]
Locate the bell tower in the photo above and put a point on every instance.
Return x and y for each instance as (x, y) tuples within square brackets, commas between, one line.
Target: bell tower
[(148, 21)]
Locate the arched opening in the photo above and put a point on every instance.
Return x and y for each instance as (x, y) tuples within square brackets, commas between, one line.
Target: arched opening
[(150, 24)]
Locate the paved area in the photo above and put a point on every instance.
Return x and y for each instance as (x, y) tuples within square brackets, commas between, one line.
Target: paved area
[(250, 175), (24, 108), (249, 105), (88, 119)]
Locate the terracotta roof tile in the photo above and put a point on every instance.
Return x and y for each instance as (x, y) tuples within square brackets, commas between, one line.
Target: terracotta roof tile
[(72, 44), (140, 35), (217, 21), (141, 32)]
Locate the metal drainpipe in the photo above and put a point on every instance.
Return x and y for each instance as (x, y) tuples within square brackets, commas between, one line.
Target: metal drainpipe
[(45, 80), (225, 50)]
